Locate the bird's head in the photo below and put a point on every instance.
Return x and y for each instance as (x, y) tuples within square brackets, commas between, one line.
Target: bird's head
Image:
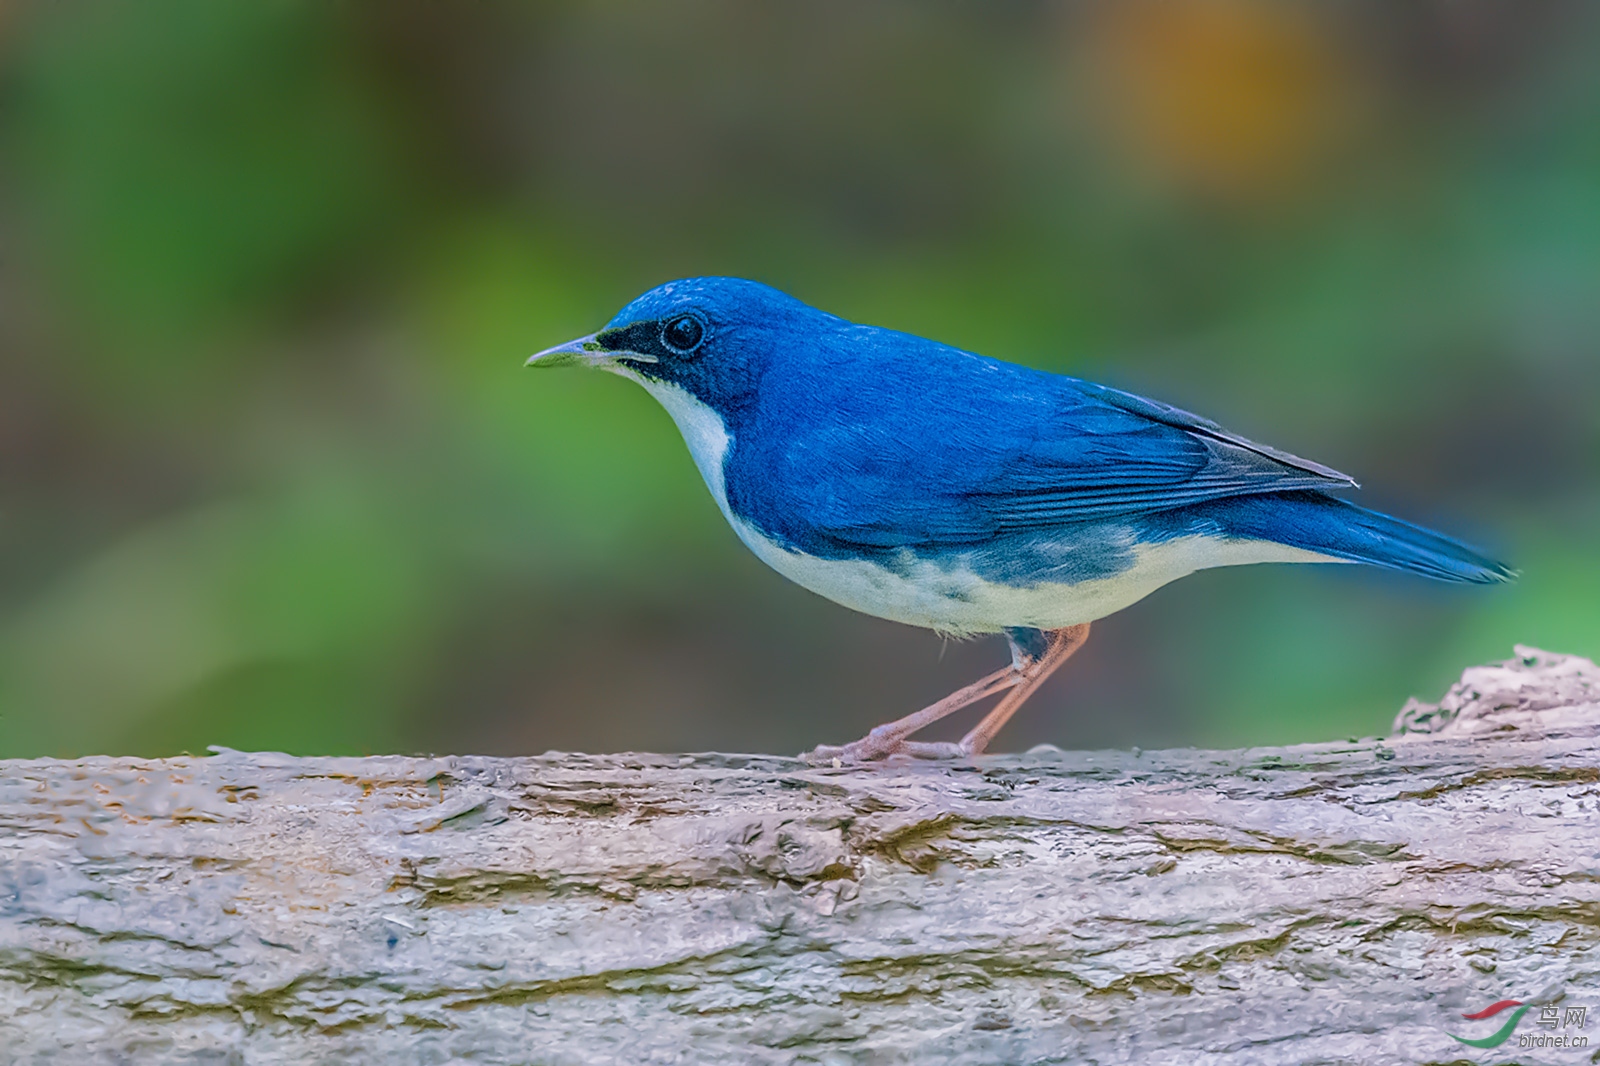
[(710, 337)]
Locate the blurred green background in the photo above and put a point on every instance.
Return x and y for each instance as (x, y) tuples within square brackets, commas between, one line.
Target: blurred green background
[(272, 475)]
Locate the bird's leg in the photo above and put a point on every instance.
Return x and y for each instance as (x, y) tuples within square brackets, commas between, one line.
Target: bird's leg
[(1061, 643), (1035, 656), (891, 736)]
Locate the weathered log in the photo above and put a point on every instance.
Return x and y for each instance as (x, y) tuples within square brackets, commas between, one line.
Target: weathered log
[(1321, 903)]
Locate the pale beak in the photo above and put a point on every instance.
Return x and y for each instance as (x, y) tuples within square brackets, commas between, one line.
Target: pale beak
[(585, 351)]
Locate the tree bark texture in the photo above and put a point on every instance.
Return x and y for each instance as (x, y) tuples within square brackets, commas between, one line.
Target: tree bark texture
[(1314, 904)]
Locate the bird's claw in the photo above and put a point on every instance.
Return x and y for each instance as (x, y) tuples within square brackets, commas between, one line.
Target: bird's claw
[(876, 748), (876, 745), (852, 754)]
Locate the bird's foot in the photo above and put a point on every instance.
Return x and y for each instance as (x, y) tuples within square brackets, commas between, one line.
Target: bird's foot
[(878, 744), (875, 747), (890, 738)]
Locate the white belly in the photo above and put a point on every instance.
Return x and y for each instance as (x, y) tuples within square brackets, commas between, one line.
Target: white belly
[(947, 595)]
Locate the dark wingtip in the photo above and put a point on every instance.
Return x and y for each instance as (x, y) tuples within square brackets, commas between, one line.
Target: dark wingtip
[(1287, 459), (1176, 416)]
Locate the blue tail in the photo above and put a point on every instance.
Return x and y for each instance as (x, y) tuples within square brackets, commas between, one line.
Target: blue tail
[(1330, 526)]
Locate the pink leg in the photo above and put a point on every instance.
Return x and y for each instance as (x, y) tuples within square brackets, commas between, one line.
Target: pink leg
[(890, 736), (1063, 642), (1022, 678)]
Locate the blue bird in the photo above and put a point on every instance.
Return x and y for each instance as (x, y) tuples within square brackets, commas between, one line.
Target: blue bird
[(913, 481)]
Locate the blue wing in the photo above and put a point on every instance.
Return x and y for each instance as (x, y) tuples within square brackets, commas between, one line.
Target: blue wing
[(887, 440)]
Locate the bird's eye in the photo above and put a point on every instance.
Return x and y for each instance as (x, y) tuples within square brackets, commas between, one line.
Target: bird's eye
[(683, 334)]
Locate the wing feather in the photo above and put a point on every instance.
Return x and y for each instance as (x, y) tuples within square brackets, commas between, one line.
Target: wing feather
[(985, 449)]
